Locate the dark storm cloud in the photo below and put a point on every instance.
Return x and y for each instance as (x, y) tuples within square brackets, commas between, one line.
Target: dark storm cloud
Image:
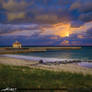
[(42, 10), (89, 33), (76, 23), (82, 5), (31, 9), (10, 28), (46, 11), (86, 16), (84, 8), (25, 20)]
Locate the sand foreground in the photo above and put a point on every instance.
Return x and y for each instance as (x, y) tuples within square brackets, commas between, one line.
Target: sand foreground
[(74, 68)]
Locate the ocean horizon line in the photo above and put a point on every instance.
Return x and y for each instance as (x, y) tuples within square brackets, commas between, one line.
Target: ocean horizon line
[(49, 46)]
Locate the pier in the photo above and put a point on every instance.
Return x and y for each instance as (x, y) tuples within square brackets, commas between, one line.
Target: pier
[(10, 50)]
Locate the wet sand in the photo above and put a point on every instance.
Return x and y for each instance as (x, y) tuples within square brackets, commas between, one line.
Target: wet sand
[(74, 68)]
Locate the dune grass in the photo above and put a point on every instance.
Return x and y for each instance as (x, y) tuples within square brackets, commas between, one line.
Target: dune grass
[(24, 77)]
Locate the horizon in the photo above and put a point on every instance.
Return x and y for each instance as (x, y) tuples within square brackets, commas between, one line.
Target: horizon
[(49, 46)]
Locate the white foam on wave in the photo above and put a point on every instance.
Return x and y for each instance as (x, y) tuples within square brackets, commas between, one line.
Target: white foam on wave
[(34, 58)]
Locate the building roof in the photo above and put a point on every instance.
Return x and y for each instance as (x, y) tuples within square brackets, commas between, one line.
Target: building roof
[(17, 43)]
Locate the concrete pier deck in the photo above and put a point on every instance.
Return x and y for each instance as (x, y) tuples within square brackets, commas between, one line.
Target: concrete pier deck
[(10, 50)]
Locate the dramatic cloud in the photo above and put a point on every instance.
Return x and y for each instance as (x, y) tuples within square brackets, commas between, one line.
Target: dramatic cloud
[(16, 30), (65, 42), (89, 33), (82, 5), (13, 16), (86, 16), (14, 5), (46, 22)]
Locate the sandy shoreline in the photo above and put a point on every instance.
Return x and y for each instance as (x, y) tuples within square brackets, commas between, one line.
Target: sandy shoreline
[(74, 68)]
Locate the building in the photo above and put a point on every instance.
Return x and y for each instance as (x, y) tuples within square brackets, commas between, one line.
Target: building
[(17, 45)]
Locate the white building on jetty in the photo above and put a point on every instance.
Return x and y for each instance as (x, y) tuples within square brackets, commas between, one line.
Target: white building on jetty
[(17, 45)]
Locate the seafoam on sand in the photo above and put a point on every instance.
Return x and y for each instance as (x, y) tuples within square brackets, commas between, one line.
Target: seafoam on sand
[(34, 58)]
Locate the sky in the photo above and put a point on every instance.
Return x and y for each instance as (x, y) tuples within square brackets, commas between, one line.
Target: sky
[(46, 22)]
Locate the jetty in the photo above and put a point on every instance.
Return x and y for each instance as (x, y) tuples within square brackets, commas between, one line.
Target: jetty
[(10, 50), (17, 47)]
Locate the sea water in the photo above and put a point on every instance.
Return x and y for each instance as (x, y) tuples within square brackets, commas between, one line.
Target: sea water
[(84, 54)]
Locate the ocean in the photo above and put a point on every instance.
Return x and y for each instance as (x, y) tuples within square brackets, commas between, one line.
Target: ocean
[(84, 54)]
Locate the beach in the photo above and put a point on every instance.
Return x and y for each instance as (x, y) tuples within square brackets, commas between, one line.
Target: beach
[(68, 67)]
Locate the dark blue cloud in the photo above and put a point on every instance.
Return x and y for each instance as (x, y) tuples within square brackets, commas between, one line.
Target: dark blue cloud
[(25, 13), (64, 10)]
